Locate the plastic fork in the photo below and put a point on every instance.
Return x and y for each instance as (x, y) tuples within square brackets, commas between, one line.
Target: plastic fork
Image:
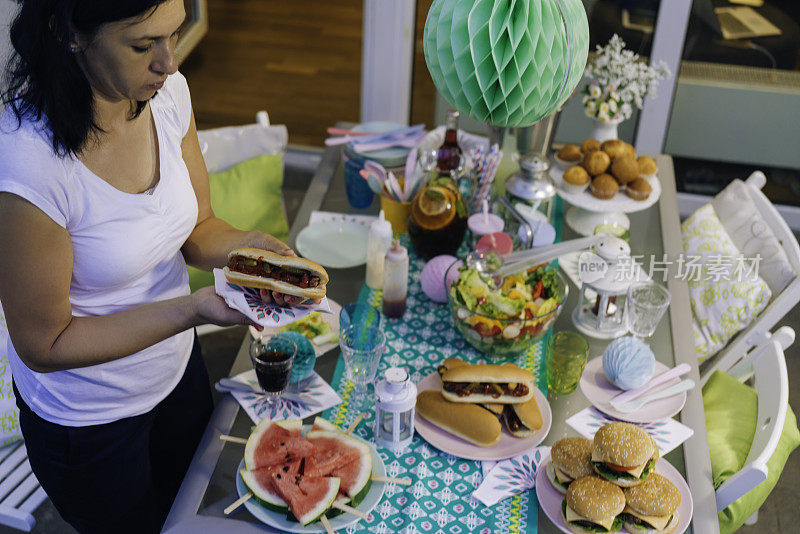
[(361, 145), (395, 134), (634, 405)]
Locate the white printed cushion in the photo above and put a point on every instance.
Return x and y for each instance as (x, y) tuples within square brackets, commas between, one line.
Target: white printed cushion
[(725, 293), (752, 235), (9, 413)]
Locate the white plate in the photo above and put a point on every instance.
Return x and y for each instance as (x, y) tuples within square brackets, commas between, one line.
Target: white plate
[(279, 521), (596, 387), (550, 498), (508, 445), (621, 201), (335, 244), (332, 319)]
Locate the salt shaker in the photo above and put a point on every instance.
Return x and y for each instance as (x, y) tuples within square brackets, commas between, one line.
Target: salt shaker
[(395, 281), (396, 398), (380, 239)]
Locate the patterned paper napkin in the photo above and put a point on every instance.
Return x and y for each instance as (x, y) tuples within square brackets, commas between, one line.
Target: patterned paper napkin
[(255, 404), (510, 477), (248, 301), (668, 433)]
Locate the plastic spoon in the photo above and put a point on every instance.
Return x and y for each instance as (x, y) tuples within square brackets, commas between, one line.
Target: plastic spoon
[(394, 187), (632, 406), (627, 396), (372, 180), (407, 142)]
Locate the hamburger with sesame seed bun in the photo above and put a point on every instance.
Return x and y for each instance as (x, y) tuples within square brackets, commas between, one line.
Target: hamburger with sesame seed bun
[(651, 507), (624, 454), (593, 505), (570, 459)]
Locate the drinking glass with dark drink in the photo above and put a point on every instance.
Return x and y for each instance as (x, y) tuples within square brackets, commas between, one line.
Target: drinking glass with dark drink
[(272, 358)]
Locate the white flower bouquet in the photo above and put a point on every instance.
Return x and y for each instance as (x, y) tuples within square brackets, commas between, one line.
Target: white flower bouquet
[(619, 80)]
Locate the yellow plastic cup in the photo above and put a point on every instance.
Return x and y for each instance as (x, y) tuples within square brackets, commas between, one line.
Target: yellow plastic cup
[(396, 213)]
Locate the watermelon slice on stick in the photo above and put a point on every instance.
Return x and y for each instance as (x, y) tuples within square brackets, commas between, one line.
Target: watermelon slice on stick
[(273, 443), (259, 482), (308, 497), (320, 423)]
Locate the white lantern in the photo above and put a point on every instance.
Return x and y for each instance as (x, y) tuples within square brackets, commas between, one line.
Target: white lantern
[(396, 397), (600, 312)]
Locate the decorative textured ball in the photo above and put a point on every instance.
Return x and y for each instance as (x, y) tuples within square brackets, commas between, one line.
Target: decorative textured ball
[(628, 363), (432, 277), (506, 62), (304, 360)]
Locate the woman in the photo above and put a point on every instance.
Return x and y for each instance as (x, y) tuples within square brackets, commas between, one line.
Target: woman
[(104, 199)]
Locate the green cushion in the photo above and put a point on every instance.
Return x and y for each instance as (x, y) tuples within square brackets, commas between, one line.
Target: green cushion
[(248, 196), (731, 410)]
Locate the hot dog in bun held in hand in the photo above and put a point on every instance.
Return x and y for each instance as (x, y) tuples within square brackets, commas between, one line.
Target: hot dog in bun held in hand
[(262, 269)]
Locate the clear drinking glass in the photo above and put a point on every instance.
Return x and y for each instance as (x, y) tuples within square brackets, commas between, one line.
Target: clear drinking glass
[(566, 357), (272, 358), (362, 347), (360, 314), (646, 304)]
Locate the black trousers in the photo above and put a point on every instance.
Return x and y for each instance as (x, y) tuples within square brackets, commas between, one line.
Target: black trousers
[(121, 476)]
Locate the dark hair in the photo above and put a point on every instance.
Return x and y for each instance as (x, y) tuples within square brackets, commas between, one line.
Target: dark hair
[(43, 79)]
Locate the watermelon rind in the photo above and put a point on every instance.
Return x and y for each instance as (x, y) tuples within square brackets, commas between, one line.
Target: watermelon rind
[(255, 436), (364, 476), (320, 423), (263, 497)]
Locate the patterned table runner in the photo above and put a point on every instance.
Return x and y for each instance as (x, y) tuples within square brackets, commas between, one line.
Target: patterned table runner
[(440, 498)]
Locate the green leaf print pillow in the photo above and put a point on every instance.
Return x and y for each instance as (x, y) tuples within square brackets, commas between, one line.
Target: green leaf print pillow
[(725, 290)]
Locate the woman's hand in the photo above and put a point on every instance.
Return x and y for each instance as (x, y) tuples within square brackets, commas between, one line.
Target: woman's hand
[(210, 308), (268, 242)]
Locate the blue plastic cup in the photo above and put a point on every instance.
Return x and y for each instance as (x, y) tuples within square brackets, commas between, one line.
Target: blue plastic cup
[(359, 194)]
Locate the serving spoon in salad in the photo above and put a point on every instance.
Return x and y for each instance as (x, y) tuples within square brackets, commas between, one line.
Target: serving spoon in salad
[(499, 267)]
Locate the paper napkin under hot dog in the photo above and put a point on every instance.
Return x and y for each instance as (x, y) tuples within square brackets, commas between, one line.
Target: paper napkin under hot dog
[(248, 301), (511, 476)]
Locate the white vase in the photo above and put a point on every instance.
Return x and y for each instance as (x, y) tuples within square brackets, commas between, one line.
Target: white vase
[(603, 131)]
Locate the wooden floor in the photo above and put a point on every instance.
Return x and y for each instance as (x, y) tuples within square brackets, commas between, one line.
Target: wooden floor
[(300, 61)]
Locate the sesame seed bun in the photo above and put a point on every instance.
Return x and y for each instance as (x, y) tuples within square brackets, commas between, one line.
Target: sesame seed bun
[(594, 498), (623, 444), (573, 456), (655, 496)]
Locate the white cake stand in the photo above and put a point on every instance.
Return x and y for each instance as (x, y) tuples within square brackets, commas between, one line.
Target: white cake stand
[(588, 212)]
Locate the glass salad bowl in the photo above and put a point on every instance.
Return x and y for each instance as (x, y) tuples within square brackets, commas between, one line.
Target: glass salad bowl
[(505, 321)]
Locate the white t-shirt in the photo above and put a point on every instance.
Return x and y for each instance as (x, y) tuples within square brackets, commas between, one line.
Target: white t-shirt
[(126, 253)]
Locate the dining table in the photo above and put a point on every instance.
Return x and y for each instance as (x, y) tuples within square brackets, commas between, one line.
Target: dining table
[(209, 485)]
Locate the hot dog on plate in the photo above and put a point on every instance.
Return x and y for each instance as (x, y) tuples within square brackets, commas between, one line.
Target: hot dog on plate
[(504, 384)]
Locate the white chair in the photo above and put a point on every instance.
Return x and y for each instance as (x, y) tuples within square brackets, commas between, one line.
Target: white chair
[(20, 492), (225, 147), (758, 331), (771, 382)]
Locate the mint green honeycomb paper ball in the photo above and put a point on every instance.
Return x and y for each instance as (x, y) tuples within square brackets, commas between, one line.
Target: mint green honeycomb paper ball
[(506, 62)]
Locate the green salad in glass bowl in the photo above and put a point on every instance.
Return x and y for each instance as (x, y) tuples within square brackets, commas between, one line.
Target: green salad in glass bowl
[(505, 319)]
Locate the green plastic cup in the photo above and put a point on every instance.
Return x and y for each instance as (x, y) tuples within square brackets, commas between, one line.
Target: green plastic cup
[(566, 358)]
